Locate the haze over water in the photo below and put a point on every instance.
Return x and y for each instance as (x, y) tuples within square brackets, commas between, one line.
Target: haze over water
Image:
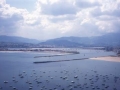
[(18, 72)]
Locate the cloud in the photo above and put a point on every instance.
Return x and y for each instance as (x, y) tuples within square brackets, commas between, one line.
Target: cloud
[(60, 7), (86, 3), (57, 18), (2, 3), (62, 18), (8, 25), (9, 19), (110, 8)]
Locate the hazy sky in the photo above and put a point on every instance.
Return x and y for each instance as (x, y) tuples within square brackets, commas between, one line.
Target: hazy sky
[(45, 19)]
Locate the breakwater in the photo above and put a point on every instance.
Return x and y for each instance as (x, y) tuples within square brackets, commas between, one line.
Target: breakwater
[(47, 56), (37, 62)]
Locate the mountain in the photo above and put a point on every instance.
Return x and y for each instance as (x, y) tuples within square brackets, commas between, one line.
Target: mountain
[(15, 39), (60, 43), (111, 39)]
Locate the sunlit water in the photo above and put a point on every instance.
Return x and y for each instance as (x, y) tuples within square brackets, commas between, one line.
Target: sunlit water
[(18, 72)]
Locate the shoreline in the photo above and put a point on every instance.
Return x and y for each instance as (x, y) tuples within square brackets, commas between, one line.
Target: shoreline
[(42, 51), (53, 53), (107, 58), (59, 53), (45, 53)]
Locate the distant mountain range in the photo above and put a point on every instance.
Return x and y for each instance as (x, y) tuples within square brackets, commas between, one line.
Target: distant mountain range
[(111, 39), (15, 39), (60, 43)]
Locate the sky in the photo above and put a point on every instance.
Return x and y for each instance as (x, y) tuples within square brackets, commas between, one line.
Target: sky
[(47, 19)]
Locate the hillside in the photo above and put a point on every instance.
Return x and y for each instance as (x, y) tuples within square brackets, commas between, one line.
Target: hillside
[(15, 39), (60, 43), (111, 39)]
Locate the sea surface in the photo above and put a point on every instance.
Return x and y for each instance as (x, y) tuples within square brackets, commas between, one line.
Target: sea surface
[(18, 72)]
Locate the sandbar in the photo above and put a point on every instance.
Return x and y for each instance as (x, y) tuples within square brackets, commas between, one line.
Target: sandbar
[(108, 58)]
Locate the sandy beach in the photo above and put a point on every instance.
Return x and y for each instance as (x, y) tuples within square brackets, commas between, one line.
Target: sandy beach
[(108, 58)]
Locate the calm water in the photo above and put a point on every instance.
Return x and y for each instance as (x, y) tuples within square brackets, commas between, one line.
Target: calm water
[(18, 72)]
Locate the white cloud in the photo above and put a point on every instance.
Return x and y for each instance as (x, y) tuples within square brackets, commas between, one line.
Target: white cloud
[(56, 7), (57, 18), (87, 3), (2, 3)]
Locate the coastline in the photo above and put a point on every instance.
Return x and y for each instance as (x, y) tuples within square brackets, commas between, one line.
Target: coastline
[(52, 53), (107, 58), (41, 51), (47, 53)]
